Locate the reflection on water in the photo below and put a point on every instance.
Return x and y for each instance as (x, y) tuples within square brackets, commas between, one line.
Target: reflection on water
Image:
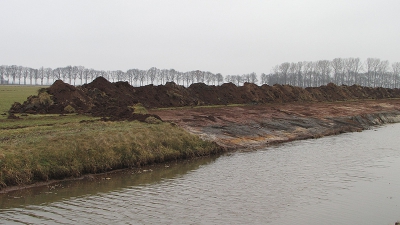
[(346, 179), (102, 183)]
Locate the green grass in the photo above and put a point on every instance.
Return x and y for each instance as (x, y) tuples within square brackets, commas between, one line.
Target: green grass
[(43, 147), (14, 93), (40, 153), (42, 120)]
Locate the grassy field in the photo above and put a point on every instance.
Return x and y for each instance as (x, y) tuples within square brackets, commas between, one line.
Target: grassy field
[(14, 93), (43, 147)]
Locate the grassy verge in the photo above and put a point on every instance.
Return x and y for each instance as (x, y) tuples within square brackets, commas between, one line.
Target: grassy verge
[(71, 149), (43, 147)]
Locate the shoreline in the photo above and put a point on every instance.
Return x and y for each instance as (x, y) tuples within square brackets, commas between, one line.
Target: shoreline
[(250, 127)]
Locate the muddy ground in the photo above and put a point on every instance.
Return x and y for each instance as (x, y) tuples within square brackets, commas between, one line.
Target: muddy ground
[(253, 126)]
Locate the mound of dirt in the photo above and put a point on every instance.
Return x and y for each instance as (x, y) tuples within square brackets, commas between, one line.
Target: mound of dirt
[(114, 100)]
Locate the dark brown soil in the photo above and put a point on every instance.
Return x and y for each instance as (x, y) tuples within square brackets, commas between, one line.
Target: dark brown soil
[(114, 100)]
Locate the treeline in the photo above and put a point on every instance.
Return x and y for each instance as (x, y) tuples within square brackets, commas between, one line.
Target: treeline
[(341, 71), (136, 77), (348, 71)]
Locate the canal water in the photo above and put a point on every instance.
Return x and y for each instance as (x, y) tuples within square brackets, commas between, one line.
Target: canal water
[(352, 178)]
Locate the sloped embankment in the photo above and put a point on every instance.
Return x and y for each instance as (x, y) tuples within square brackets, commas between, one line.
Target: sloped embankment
[(260, 125)]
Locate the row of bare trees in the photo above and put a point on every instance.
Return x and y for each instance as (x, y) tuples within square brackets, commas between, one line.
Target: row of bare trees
[(238, 79), (79, 74), (348, 71)]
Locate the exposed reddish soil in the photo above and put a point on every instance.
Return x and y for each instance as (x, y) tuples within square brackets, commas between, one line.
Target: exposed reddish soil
[(260, 125)]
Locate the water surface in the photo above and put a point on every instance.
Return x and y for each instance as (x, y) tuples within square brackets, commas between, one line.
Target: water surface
[(346, 179)]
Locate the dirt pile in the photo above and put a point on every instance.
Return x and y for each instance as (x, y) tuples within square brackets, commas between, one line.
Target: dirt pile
[(113, 101), (106, 99)]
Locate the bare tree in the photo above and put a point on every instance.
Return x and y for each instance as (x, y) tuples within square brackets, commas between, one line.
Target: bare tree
[(283, 69), (88, 74), (299, 67), (130, 74), (230, 79), (25, 73), (81, 73), (338, 67), (101, 73), (178, 77), (208, 77), (197, 75), (292, 78), (33, 75), (40, 75), (142, 76), (74, 73), (120, 75), (264, 78), (253, 78), (68, 73), (238, 79), (48, 73), (3, 74), (323, 71), (186, 78), (19, 73), (12, 72), (152, 74), (348, 65), (357, 68), (382, 71), (57, 73), (245, 78), (308, 70), (371, 66), (219, 78), (396, 74)]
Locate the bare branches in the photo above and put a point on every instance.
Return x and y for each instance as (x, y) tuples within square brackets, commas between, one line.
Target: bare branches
[(341, 71)]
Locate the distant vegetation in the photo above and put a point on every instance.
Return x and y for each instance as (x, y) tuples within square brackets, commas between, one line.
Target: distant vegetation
[(340, 71)]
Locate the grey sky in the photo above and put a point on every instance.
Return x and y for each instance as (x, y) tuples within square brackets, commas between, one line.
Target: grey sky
[(220, 36)]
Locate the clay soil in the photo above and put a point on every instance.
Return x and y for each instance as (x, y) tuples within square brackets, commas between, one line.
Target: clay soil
[(259, 125)]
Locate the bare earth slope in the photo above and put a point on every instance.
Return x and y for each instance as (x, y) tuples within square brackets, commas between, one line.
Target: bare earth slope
[(260, 125)]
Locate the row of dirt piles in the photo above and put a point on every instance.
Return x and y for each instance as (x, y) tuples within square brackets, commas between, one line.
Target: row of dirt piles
[(172, 95), (106, 99), (101, 98)]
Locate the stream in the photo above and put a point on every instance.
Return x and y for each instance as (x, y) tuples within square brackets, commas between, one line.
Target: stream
[(351, 178)]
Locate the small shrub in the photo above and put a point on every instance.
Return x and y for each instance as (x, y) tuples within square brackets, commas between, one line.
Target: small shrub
[(45, 98), (69, 109), (42, 90), (152, 120), (139, 109)]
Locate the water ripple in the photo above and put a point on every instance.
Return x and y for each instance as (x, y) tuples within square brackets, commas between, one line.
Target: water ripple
[(346, 179)]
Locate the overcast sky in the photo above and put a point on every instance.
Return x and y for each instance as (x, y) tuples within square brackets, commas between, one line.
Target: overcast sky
[(220, 36)]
